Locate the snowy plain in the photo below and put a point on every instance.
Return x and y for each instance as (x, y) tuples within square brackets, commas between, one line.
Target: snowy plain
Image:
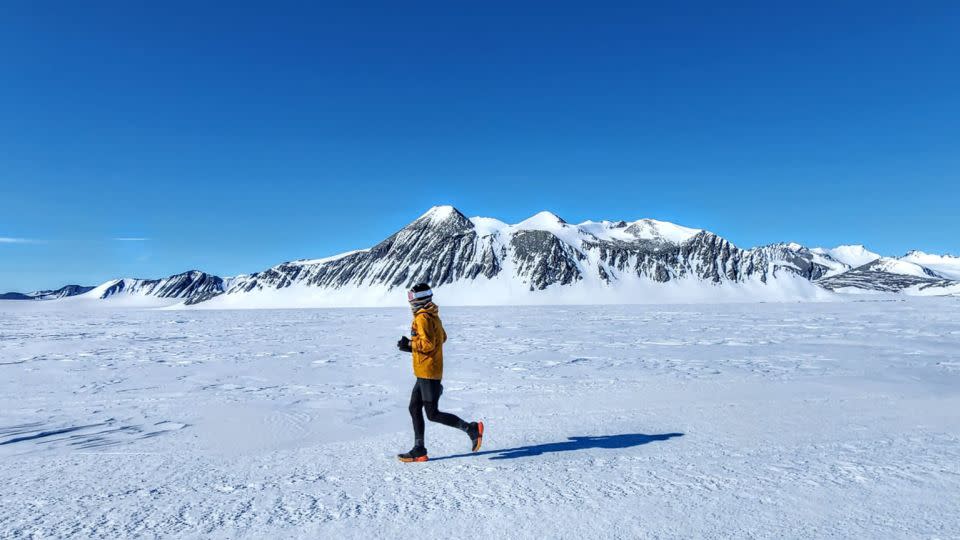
[(774, 420)]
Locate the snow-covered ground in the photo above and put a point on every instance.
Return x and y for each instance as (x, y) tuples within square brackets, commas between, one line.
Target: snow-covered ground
[(729, 420)]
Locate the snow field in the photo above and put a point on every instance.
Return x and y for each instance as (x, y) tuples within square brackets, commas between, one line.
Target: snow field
[(672, 421)]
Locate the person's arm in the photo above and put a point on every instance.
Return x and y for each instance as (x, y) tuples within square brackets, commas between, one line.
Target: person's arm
[(422, 341)]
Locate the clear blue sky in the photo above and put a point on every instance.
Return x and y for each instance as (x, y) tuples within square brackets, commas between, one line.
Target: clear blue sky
[(232, 138)]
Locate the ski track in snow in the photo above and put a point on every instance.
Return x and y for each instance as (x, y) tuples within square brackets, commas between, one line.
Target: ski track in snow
[(738, 420)]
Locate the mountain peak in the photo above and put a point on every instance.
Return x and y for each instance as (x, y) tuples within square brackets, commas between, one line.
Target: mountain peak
[(441, 213), (542, 220), (789, 246), (652, 229), (445, 218)]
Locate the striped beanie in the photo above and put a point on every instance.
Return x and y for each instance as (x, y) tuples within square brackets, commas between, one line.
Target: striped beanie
[(420, 295)]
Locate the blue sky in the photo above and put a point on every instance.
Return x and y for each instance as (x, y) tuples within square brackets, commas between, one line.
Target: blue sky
[(231, 138)]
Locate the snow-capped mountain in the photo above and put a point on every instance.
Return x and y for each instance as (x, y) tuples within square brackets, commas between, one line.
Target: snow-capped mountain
[(947, 266), (850, 255), (545, 259), (809, 263), (445, 248), (544, 254), (887, 274), (184, 286), (62, 292)]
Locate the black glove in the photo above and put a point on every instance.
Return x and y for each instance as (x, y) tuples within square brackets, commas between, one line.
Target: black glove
[(404, 344)]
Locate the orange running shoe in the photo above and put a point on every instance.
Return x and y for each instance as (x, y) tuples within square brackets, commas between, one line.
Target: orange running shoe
[(417, 455), (476, 434)]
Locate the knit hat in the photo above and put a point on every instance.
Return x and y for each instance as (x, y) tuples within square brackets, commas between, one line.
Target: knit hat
[(420, 295)]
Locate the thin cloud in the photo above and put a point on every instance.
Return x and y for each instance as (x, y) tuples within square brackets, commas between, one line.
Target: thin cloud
[(9, 240), (131, 239)]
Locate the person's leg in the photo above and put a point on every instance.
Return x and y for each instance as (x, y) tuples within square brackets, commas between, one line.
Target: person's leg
[(416, 414), (430, 393), (436, 415)]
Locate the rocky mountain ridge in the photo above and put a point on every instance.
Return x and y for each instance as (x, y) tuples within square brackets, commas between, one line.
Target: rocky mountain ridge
[(445, 248)]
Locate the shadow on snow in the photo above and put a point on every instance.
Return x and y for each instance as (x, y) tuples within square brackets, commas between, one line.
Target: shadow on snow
[(626, 440)]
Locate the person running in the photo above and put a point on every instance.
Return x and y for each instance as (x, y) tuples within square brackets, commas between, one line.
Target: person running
[(426, 343)]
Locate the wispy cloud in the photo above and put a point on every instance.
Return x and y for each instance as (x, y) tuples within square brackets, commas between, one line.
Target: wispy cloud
[(130, 239), (9, 240)]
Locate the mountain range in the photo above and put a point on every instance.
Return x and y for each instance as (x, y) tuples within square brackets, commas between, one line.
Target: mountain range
[(544, 259)]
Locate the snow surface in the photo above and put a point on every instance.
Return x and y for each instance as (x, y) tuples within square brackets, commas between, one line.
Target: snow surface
[(827, 420), (853, 255)]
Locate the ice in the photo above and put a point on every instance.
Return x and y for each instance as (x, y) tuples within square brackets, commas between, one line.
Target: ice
[(826, 420)]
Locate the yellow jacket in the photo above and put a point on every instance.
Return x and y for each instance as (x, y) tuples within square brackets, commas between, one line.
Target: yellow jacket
[(426, 339)]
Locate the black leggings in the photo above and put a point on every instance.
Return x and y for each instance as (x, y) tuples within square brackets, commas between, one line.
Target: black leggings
[(426, 394)]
